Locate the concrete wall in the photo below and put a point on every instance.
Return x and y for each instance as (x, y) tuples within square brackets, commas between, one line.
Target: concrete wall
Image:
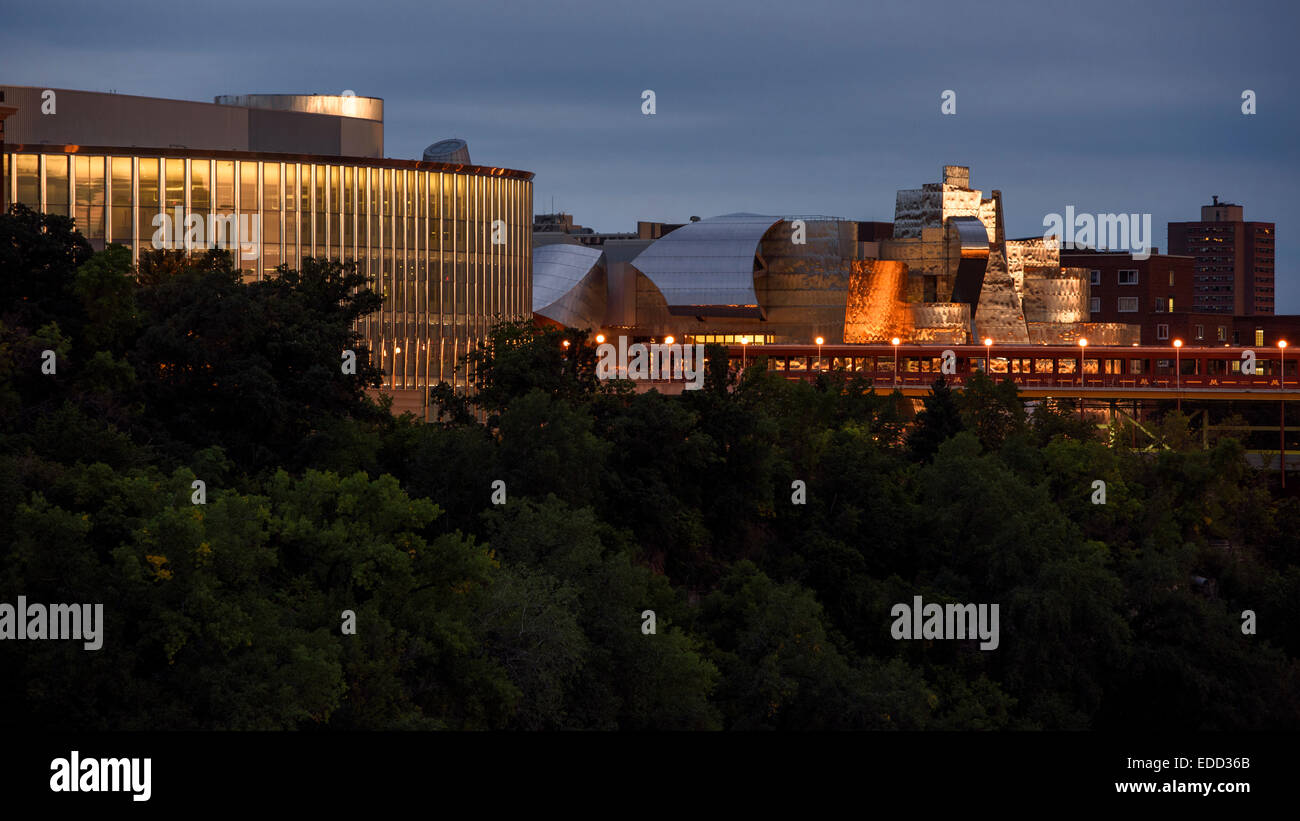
[(94, 118)]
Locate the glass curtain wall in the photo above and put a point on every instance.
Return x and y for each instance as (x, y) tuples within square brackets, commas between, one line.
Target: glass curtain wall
[(448, 251)]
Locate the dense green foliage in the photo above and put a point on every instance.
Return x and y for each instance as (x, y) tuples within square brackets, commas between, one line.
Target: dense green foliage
[(528, 615)]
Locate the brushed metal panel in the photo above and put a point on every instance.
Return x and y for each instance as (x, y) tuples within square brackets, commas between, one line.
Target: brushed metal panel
[(998, 314), (972, 240), (569, 284), (876, 310), (706, 268)]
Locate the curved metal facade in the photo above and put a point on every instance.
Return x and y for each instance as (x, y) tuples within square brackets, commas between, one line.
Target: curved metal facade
[(706, 268), (569, 284), (973, 262)]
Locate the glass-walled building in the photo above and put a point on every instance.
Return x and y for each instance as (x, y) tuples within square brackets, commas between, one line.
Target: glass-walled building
[(448, 249), (448, 246)]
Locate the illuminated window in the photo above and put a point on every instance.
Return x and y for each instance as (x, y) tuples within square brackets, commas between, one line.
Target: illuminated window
[(333, 220), (91, 196), (28, 176), (56, 184), (120, 189), (200, 186), (249, 205), (348, 212), (1259, 336), (270, 233), (174, 186), (321, 216), (147, 204), (291, 214)]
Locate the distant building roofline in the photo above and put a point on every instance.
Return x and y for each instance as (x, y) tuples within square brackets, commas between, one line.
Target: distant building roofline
[(222, 154)]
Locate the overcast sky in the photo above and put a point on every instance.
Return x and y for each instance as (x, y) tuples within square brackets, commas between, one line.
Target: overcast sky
[(797, 107)]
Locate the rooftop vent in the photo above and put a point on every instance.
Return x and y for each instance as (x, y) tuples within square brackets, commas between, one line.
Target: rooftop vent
[(453, 151)]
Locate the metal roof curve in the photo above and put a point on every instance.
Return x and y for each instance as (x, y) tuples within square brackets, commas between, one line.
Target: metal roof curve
[(706, 268)]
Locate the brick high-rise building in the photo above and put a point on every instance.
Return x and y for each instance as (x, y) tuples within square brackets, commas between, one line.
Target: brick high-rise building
[(1234, 260)]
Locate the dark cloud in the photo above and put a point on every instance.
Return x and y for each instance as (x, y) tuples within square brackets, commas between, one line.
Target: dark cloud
[(807, 107)]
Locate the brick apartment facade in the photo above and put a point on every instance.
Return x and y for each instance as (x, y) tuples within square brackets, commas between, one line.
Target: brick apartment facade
[(1135, 291), (1234, 260), (1158, 293)]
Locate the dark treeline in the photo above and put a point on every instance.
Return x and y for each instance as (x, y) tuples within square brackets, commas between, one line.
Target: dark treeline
[(528, 615)]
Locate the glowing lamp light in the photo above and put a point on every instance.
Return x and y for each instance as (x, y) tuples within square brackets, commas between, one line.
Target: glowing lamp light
[(1178, 343), (820, 341), (566, 343), (895, 341), (668, 340), (600, 339)]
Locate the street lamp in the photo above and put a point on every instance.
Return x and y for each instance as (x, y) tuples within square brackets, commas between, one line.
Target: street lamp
[(744, 350), (600, 339), (988, 356), (820, 341), (1178, 373), (1281, 347), (1083, 347), (895, 342)]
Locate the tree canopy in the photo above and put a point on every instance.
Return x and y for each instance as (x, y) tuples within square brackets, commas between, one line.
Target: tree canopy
[(531, 613)]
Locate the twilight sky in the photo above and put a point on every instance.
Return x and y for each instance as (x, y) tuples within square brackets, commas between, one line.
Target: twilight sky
[(796, 107)]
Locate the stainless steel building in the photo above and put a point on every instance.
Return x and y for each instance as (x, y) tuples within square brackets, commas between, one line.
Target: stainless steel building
[(448, 245), (943, 271)]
